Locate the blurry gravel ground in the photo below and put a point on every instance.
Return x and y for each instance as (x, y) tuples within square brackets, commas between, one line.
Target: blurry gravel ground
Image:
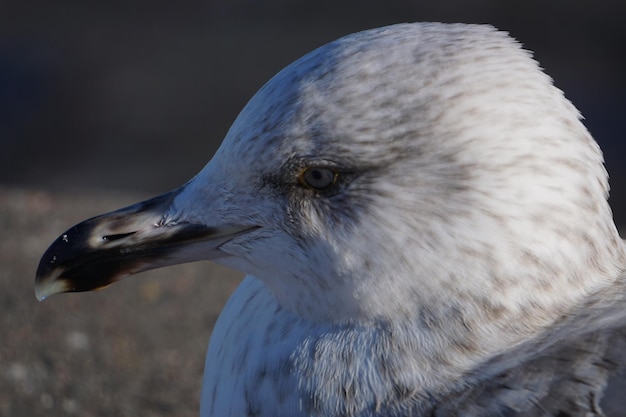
[(134, 349)]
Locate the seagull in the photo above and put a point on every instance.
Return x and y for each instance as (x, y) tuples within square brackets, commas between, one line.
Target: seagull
[(423, 221)]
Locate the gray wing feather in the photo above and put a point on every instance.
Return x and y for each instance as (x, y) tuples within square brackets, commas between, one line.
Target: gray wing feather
[(565, 373)]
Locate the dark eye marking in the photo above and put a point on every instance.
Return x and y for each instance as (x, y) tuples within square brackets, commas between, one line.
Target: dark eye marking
[(318, 178)]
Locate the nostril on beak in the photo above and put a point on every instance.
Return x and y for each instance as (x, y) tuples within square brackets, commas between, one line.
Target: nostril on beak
[(112, 238)]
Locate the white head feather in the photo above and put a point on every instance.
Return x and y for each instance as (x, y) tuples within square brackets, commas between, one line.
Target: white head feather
[(468, 216)]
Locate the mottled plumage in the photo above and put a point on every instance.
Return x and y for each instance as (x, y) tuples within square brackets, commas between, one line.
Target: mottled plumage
[(424, 222)]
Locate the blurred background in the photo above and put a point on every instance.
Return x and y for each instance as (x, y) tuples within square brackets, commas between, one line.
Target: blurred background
[(138, 95), (103, 103)]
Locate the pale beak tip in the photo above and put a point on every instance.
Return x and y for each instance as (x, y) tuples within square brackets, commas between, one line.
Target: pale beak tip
[(47, 288)]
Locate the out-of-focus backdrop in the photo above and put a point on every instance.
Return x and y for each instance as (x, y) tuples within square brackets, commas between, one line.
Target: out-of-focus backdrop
[(138, 95), (104, 103)]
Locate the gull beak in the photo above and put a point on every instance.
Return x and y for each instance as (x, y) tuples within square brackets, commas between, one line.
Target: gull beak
[(104, 249)]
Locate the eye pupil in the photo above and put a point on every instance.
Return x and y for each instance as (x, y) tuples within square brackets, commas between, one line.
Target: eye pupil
[(317, 178)]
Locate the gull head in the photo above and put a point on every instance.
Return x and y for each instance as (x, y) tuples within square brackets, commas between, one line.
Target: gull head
[(423, 170)]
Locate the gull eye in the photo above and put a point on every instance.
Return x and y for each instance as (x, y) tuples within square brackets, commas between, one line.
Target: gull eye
[(317, 178)]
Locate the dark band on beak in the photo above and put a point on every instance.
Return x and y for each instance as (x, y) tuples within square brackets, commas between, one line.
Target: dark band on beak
[(104, 249)]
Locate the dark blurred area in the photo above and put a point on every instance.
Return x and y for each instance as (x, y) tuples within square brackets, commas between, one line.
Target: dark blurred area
[(138, 95)]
